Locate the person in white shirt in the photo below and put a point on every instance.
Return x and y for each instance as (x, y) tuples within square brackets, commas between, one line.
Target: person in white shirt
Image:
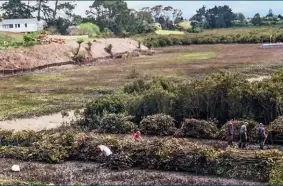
[(105, 151)]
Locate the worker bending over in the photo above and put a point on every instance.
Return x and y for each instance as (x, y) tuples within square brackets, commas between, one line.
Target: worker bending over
[(105, 151), (137, 136)]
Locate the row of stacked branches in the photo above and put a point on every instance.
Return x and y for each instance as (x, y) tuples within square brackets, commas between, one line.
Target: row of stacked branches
[(159, 153)]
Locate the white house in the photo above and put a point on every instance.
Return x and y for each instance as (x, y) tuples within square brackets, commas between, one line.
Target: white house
[(21, 25)]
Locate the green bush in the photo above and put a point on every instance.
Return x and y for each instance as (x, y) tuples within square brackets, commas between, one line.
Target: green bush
[(220, 96), (103, 104), (151, 102), (137, 86), (88, 29), (199, 129), (117, 123), (159, 124)]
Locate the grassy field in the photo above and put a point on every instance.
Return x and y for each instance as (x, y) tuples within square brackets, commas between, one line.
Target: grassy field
[(71, 87), (168, 32), (10, 38)]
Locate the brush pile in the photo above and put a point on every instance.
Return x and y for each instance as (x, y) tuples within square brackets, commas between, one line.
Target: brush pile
[(179, 155), (166, 153), (117, 124), (22, 138), (276, 130), (197, 129), (159, 124), (251, 130)]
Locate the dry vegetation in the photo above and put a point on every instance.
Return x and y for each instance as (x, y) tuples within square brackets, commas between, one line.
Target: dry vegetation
[(71, 87)]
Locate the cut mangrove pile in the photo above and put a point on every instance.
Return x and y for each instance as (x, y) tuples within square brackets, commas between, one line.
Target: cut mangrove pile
[(167, 153)]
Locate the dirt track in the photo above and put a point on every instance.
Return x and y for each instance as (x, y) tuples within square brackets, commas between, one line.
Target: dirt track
[(91, 173)]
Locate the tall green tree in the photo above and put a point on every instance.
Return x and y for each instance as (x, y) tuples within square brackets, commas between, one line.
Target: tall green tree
[(240, 17), (216, 17), (270, 13), (15, 9), (256, 20), (200, 15), (110, 14)]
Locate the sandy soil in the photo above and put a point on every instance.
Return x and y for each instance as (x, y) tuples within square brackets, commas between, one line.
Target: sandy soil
[(37, 123), (260, 78), (92, 173), (55, 53)]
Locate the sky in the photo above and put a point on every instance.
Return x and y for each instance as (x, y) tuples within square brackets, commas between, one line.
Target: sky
[(248, 8)]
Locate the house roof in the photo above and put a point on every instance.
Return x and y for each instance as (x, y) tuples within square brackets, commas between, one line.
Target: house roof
[(17, 21)]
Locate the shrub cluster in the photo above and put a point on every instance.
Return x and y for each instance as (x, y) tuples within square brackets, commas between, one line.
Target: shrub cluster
[(117, 123), (159, 124), (221, 96), (198, 129)]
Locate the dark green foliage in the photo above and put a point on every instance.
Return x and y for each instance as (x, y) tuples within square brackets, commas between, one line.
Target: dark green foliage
[(152, 102), (220, 96), (198, 129), (158, 124), (103, 104), (117, 123)]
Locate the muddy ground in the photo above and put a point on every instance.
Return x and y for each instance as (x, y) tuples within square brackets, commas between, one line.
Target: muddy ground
[(92, 173)]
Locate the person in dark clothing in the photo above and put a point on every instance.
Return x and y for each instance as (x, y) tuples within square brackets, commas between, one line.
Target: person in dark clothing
[(243, 136), (230, 133), (261, 135)]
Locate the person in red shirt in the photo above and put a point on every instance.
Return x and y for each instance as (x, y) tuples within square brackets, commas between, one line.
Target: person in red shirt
[(137, 136)]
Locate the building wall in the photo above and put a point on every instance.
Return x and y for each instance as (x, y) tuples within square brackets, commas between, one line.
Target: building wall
[(31, 27)]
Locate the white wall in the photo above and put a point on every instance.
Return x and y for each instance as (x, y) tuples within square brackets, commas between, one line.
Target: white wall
[(31, 27)]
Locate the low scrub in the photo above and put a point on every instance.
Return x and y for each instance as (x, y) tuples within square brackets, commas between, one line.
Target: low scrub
[(102, 105), (220, 96), (198, 129), (117, 123), (221, 36), (159, 124)]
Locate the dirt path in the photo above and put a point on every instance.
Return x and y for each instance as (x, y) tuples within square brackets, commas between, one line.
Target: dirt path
[(92, 173), (37, 123)]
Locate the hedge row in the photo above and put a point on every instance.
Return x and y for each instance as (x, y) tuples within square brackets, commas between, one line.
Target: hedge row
[(244, 37), (219, 98)]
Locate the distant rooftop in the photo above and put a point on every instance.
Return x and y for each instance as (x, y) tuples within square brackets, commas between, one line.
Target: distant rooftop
[(17, 21)]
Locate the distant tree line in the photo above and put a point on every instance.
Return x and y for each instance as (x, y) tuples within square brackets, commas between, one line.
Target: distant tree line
[(115, 16), (224, 17)]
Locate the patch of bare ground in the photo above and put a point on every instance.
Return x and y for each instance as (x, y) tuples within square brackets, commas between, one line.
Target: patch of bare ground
[(91, 173), (54, 53)]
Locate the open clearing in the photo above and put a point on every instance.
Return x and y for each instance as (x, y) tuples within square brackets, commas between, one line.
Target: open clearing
[(70, 87)]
